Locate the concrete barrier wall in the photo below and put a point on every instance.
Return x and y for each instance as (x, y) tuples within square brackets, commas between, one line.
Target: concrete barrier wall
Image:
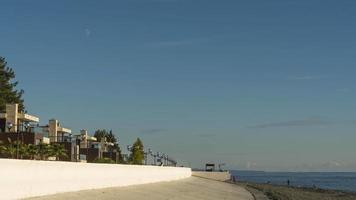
[(218, 176), (25, 178)]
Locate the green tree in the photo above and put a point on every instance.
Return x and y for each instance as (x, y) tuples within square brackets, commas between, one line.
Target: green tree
[(104, 160), (57, 151), (8, 91), (110, 137), (99, 134), (137, 153)]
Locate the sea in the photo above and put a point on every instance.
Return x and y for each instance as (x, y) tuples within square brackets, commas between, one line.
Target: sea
[(345, 181)]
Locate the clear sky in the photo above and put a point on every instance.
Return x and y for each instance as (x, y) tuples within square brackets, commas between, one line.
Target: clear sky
[(264, 85)]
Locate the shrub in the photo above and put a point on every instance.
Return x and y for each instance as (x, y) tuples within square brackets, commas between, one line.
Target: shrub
[(104, 160)]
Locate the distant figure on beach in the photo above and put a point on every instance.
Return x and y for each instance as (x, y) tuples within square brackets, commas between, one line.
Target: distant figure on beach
[(288, 182), (233, 179)]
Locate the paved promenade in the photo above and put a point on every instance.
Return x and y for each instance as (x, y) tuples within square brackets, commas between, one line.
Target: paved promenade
[(188, 189)]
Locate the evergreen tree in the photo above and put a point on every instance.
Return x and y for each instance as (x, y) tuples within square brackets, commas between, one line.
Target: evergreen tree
[(137, 153), (110, 137), (99, 134), (8, 91)]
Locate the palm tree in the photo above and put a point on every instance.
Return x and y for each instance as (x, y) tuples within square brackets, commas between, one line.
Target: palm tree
[(32, 151), (23, 150), (9, 150), (1, 144), (43, 150), (2, 147), (58, 151)]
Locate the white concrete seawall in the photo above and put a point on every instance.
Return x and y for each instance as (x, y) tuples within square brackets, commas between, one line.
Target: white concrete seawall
[(25, 178)]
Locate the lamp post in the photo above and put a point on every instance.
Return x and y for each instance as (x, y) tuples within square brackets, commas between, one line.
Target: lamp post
[(163, 156), (9, 126), (149, 151), (115, 148), (167, 160), (129, 148), (154, 158), (160, 156), (27, 126), (145, 156)]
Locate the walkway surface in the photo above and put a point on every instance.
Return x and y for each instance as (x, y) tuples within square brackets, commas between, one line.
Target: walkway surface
[(187, 189)]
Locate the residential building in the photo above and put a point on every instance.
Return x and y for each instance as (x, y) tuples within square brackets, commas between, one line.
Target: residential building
[(19, 126)]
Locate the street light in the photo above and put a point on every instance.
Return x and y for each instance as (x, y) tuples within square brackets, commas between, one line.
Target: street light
[(145, 154), (158, 156), (163, 156), (9, 126), (150, 152), (27, 126), (154, 157), (129, 148), (166, 160)]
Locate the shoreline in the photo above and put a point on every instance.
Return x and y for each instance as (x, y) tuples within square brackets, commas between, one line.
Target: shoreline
[(283, 192)]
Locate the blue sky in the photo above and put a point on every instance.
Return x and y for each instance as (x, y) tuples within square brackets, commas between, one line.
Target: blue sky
[(264, 85)]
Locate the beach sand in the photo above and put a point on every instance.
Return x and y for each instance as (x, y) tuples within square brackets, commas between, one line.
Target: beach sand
[(188, 189)]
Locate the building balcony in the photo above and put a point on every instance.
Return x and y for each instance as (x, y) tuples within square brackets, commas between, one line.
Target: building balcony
[(28, 118)]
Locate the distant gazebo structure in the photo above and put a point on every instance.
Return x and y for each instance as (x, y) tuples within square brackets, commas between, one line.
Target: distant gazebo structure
[(209, 167)]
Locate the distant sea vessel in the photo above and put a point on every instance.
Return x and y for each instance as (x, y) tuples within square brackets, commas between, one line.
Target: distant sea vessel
[(345, 181)]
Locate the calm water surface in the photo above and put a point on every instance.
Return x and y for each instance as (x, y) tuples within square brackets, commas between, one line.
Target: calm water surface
[(327, 180)]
